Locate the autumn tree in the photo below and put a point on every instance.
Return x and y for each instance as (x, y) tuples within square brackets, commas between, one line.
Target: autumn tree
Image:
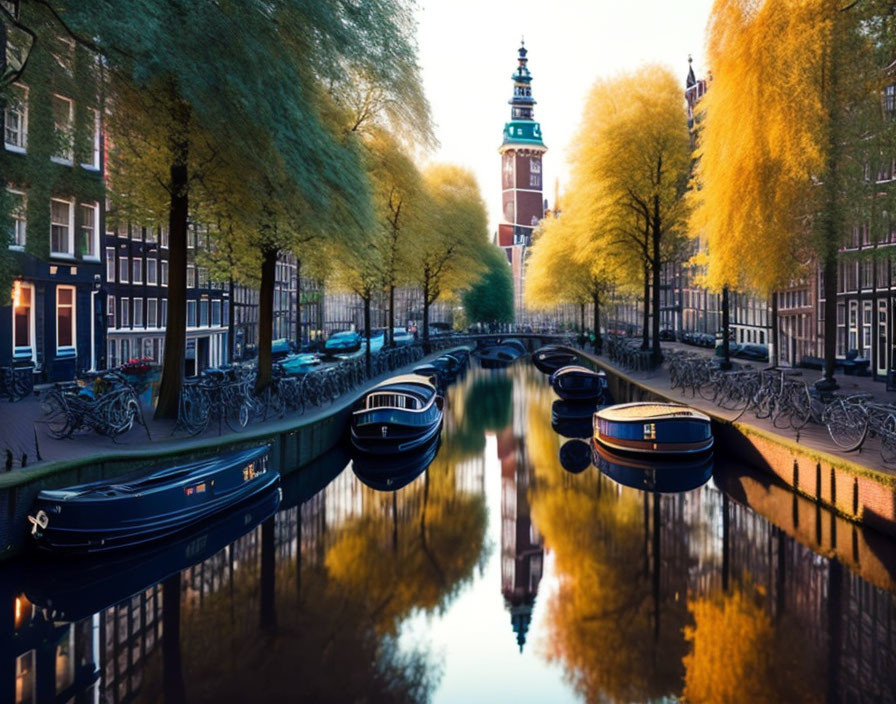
[(447, 252), (631, 168), (490, 298), (786, 130)]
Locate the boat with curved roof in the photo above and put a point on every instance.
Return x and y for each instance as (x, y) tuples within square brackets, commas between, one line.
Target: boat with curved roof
[(397, 415), (550, 358), (577, 383), (653, 428)]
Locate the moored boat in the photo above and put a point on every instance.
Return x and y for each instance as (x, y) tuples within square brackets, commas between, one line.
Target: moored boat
[(142, 507), (299, 363), (500, 355), (658, 475), (653, 428), (397, 415), (74, 589), (576, 383), (550, 358)]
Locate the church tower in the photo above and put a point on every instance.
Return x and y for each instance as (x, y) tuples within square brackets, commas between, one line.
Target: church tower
[(521, 175)]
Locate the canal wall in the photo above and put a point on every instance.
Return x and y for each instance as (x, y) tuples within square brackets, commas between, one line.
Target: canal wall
[(852, 490), (294, 441)]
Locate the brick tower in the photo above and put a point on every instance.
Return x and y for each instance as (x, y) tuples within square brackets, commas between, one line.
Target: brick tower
[(521, 176)]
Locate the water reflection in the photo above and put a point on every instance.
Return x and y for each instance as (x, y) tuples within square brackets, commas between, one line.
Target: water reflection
[(669, 476), (732, 591)]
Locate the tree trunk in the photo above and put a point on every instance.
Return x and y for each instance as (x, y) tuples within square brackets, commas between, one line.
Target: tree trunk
[(830, 319), (178, 210), (266, 317), (390, 329), (426, 316), (367, 332), (298, 304), (657, 264), (231, 329), (726, 330), (775, 358), (598, 340), (645, 332), (582, 321)]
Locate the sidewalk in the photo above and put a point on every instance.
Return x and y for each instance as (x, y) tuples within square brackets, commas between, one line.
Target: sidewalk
[(24, 435), (813, 436)]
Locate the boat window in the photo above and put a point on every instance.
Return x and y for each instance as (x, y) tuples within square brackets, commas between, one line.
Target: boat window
[(387, 400)]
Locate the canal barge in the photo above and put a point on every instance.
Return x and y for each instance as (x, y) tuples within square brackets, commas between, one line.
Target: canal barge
[(502, 354), (550, 358), (142, 507), (397, 415), (71, 590), (653, 429), (576, 383)]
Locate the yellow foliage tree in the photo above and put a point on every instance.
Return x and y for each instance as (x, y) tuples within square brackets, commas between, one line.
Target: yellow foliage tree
[(793, 87), (630, 171)]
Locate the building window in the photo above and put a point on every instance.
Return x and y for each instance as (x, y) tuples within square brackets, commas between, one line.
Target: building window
[(191, 276), (225, 315), (19, 225), (152, 272), (65, 317), (152, 312), (62, 214), (164, 272), (110, 312), (137, 268), (123, 270), (202, 274), (164, 320), (152, 234), (16, 119), (94, 163), (63, 123), (23, 317), (163, 237), (110, 264), (89, 231), (191, 314), (890, 100), (125, 315), (216, 313), (138, 313), (203, 313)]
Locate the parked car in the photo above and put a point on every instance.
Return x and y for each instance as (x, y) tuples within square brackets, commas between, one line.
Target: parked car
[(667, 334)]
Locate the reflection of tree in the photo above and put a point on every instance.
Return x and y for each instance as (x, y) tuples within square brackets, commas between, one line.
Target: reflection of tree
[(740, 655), (414, 548), (617, 633)]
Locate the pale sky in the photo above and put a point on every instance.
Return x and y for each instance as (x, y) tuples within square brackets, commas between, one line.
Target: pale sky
[(468, 51)]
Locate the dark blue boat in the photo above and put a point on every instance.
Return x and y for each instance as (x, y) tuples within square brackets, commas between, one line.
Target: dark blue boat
[(397, 415), (653, 428), (393, 473), (143, 506), (575, 383), (500, 355), (653, 474), (550, 358), (71, 590)]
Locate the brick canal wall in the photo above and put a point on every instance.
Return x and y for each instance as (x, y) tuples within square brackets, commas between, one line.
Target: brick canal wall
[(854, 491), (295, 442)]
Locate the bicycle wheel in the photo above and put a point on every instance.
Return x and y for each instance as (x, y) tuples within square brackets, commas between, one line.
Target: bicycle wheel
[(56, 415), (801, 403), (888, 440), (194, 414), (847, 425)]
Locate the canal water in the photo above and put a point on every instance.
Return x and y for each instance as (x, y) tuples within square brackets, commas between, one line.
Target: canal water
[(507, 571)]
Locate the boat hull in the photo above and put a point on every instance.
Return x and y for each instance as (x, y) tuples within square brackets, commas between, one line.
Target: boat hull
[(574, 383), (389, 437), (550, 358), (133, 510), (393, 473), (686, 433)]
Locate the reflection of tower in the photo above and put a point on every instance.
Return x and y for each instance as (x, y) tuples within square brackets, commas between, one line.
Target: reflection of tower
[(521, 179), (522, 553)]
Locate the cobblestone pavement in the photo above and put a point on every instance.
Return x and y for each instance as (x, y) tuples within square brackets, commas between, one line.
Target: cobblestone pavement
[(812, 436)]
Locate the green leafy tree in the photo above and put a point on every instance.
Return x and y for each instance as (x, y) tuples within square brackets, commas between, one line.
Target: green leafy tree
[(490, 299)]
